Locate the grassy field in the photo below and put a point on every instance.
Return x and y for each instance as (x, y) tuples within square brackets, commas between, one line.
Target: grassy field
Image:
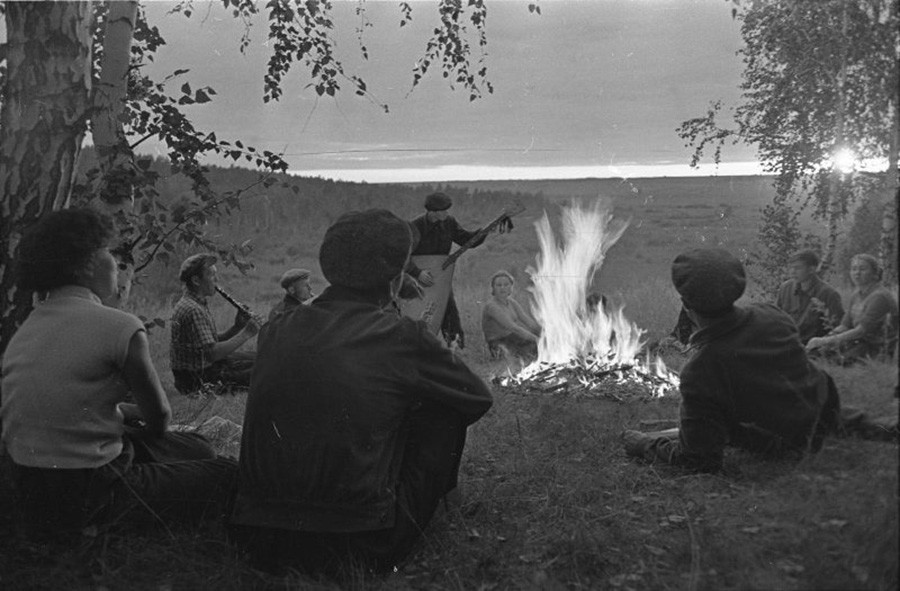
[(549, 499)]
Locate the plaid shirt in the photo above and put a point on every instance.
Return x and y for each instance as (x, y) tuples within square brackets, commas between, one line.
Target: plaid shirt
[(193, 332)]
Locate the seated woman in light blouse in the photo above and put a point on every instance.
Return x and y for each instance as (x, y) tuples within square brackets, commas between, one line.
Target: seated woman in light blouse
[(505, 322), (869, 326), (66, 377)]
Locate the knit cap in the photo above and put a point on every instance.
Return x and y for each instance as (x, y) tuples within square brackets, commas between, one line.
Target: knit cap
[(709, 280), (365, 249), (438, 202)]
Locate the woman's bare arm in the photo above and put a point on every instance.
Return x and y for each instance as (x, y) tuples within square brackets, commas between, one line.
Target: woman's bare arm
[(142, 380)]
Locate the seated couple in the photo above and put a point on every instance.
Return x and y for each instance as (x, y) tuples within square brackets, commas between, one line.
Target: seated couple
[(868, 328), (198, 352)]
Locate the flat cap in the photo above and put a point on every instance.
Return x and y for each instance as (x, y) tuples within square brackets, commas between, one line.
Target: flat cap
[(194, 265), (438, 202), (709, 280), (365, 249), (292, 275)]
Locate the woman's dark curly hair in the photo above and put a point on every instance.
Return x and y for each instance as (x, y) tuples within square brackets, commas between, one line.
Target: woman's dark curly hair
[(54, 249)]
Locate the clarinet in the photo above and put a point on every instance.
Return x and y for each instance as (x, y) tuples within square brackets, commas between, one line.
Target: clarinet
[(241, 307)]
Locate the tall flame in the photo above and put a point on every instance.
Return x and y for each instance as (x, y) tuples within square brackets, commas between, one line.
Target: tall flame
[(593, 339), (564, 273)]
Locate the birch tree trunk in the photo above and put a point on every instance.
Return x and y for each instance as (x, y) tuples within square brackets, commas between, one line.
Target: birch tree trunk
[(836, 197), (113, 151), (888, 243), (116, 160), (43, 117)]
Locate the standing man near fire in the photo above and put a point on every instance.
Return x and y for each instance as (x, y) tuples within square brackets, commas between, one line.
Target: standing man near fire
[(437, 231), (814, 305), (197, 351)]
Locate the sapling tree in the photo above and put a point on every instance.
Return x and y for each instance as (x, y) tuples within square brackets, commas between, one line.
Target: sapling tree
[(819, 97)]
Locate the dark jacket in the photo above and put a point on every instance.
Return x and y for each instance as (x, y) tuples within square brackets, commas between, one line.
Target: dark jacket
[(333, 385), (815, 311), (285, 305), (751, 385), (438, 238)]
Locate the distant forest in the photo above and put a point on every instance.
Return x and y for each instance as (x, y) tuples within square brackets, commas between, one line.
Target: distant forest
[(302, 206), (295, 212)]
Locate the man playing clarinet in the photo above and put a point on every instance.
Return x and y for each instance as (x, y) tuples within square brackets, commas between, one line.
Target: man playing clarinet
[(198, 352), (437, 231)]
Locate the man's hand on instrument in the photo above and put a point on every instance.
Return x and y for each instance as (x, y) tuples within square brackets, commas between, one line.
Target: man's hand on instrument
[(252, 327), (247, 323), (505, 224), (241, 319), (426, 279), (409, 288)]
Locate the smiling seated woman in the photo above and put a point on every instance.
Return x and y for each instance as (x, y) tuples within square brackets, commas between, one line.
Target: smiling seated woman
[(67, 373), (870, 323), (506, 324)]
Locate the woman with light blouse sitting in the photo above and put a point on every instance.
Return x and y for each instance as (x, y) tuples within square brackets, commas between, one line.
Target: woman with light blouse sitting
[(869, 326), (505, 322), (67, 373)]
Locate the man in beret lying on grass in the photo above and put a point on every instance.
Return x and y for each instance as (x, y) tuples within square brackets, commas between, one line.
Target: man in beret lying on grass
[(749, 383)]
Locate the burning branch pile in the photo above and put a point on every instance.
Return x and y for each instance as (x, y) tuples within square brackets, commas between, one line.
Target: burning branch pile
[(583, 350), (593, 379)]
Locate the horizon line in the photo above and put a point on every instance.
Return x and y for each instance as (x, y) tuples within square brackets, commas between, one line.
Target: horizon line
[(467, 173)]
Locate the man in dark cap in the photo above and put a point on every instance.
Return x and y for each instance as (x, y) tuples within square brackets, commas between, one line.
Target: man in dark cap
[(356, 418), (437, 231), (749, 383), (198, 352), (814, 305), (295, 283)]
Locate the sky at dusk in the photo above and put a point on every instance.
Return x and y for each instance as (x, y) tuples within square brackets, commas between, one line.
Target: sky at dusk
[(588, 88)]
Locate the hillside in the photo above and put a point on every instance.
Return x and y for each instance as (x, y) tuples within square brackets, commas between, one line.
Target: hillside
[(285, 225)]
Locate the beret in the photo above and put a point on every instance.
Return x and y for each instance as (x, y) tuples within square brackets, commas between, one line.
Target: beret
[(293, 275), (365, 249), (438, 202), (194, 265), (709, 280)]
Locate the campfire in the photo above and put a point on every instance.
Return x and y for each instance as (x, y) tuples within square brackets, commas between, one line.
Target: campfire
[(584, 351)]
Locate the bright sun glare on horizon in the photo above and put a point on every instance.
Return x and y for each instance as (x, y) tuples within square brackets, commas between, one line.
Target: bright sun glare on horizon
[(845, 160)]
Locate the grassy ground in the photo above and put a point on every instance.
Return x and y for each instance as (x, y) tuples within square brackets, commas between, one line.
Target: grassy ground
[(551, 502), (549, 499)]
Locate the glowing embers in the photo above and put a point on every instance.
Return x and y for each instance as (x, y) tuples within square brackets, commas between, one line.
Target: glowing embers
[(584, 350)]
